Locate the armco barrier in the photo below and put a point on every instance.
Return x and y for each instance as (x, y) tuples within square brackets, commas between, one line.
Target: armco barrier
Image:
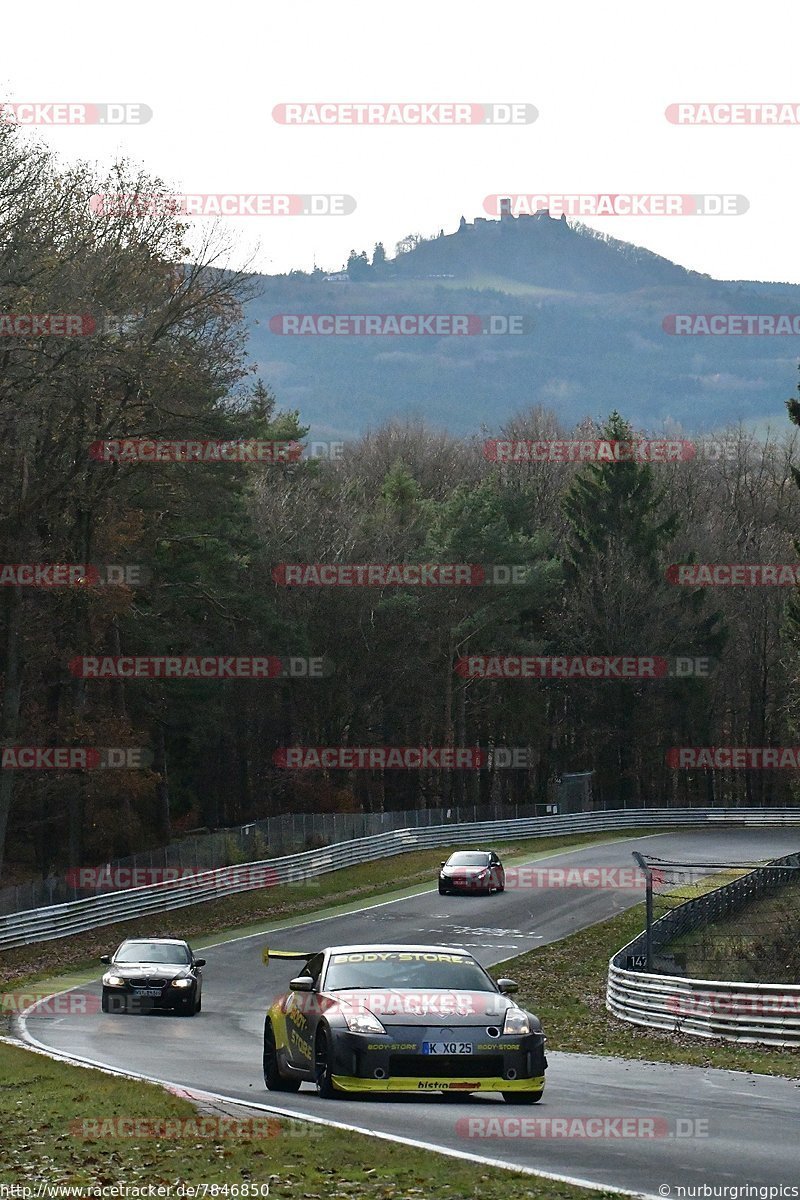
[(739, 1012), (44, 924), (284, 833)]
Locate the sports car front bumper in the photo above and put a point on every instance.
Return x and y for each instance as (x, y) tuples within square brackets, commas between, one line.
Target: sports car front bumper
[(351, 1083), (397, 1061)]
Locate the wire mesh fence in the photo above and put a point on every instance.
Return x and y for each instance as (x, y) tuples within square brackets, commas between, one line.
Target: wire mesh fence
[(269, 837), (736, 921)]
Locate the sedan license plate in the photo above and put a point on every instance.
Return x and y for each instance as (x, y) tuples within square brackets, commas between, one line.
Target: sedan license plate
[(147, 991), (447, 1047)]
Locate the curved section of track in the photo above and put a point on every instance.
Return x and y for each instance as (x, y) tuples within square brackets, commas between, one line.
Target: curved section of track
[(752, 1120)]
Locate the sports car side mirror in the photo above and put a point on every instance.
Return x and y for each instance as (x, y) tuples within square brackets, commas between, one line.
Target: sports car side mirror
[(199, 962), (303, 983), (443, 864), (507, 986), (105, 958)]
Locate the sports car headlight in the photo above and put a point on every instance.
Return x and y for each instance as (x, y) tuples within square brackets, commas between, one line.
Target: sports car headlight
[(516, 1022), (363, 1022), (112, 980), (182, 981)]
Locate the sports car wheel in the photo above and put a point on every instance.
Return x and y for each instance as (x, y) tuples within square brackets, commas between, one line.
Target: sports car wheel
[(272, 1077), (322, 1070), (442, 890), (522, 1097)]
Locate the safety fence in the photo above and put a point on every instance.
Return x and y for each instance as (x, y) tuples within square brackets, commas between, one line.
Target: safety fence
[(284, 833), (735, 1011), (62, 920)]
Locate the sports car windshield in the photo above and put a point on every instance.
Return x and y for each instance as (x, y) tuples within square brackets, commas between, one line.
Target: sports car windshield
[(151, 952), (467, 859), (406, 969)]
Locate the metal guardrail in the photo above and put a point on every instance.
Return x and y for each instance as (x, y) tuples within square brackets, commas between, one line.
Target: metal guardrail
[(740, 1012), (286, 833), (62, 920)]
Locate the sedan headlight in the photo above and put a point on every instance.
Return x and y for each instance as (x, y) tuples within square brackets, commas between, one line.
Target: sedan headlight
[(516, 1022), (183, 981), (363, 1022), (112, 980)]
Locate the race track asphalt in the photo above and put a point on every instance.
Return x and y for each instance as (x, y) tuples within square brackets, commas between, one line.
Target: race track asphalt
[(753, 1121)]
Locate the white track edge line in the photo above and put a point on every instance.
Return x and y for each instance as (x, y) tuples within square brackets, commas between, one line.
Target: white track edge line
[(35, 1047), (399, 899), (32, 1043)]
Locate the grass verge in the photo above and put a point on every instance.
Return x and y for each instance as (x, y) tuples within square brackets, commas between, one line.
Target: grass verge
[(758, 944), (248, 911), (42, 1102), (564, 983)]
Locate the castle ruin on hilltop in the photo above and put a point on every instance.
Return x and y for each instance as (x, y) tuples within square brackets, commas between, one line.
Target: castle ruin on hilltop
[(488, 225)]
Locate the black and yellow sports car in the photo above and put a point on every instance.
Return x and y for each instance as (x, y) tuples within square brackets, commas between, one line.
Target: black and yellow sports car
[(422, 1019)]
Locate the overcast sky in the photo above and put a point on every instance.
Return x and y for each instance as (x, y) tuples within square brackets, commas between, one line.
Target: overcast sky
[(600, 76)]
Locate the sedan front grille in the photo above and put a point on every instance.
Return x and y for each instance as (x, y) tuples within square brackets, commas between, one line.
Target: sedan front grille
[(147, 982)]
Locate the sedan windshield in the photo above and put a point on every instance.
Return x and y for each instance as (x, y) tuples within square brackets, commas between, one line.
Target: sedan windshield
[(151, 952), (466, 858), (406, 969)]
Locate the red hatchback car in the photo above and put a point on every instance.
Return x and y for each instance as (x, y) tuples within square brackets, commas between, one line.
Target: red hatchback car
[(472, 871)]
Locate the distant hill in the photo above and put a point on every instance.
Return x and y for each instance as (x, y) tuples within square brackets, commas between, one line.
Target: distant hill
[(596, 307)]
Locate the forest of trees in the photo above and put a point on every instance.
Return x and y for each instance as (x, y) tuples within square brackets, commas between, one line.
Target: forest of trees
[(595, 542)]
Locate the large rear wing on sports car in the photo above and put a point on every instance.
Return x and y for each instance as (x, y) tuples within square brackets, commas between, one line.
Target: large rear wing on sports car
[(301, 956)]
